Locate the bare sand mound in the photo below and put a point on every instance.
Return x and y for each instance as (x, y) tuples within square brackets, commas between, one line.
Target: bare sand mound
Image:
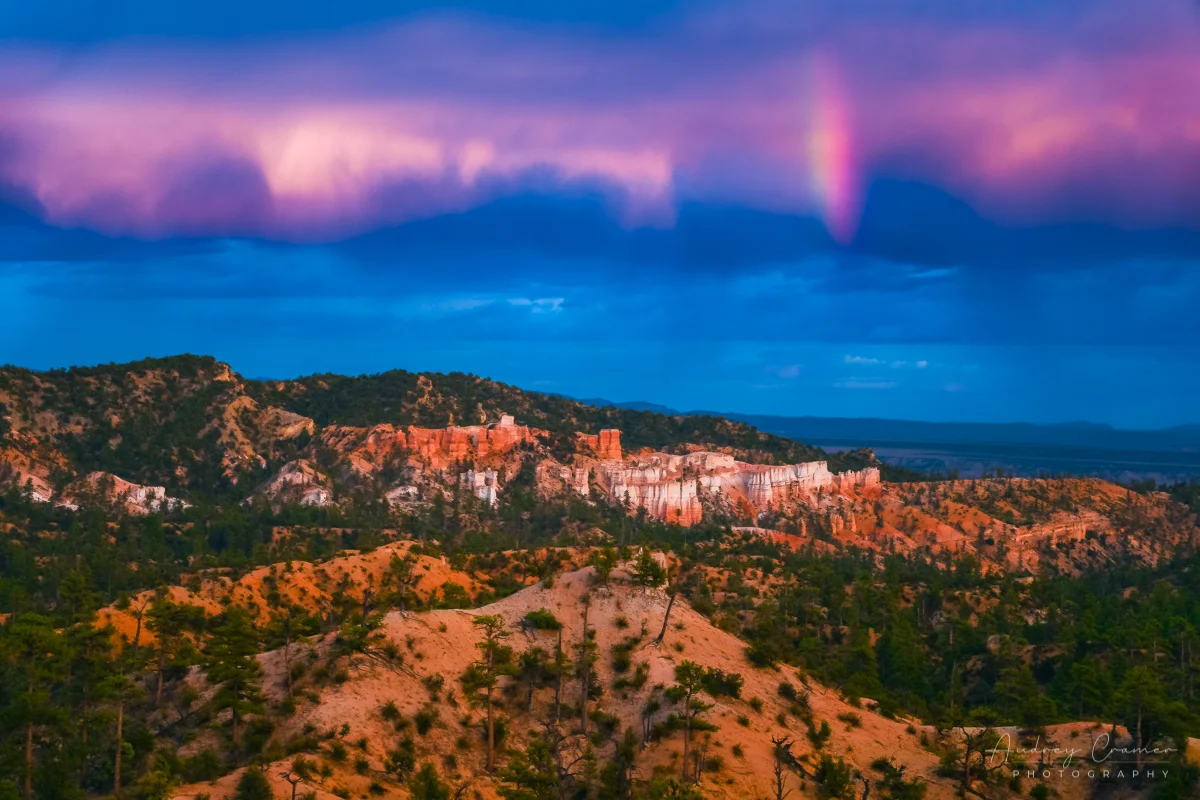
[(437, 647), (431, 650), (311, 586)]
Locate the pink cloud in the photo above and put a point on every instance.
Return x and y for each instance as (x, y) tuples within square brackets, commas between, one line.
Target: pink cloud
[(1095, 117)]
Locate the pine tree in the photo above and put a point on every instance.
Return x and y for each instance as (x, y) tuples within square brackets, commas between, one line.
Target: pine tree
[(530, 774), (534, 667), (426, 785), (689, 682), (287, 628), (92, 664), (230, 663), (38, 655), (170, 622), (617, 775), (253, 785), (482, 676), (400, 582), (648, 572)]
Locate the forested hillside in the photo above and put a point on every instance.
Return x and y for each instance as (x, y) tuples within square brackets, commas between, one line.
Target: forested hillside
[(173, 649)]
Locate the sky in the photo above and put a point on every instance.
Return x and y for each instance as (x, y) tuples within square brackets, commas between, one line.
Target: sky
[(967, 210)]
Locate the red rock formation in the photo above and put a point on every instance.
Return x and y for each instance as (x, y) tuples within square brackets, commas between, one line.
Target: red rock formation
[(605, 446), (369, 449)]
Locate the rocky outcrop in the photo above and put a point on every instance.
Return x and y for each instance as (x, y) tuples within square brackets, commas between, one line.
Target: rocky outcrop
[(28, 463), (247, 432), (106, 488), (298, 482), (674, 488), (33, 486), (605, 446), (484, 484), (402, 495), (439, 448), (670, 487), (371, 449)]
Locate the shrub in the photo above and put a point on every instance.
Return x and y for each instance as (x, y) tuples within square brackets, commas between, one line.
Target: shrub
[(543, 620), (819, 736), (425, 719), (303, 767), (402, 760), (253, 785), (426, 785), (433, 684), (718, 683), (204, 766), (833, 778)]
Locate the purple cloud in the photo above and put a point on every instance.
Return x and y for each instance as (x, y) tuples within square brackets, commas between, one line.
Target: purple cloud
[(1034, 116)]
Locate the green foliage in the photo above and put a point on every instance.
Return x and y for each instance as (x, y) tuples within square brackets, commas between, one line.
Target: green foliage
[(663, 788), (819, 735), (834, 779), (425, 719), (530, 774), (543, 620), (253, 785), (426, 785), (230, 664), (648, 572), (402, 759), (719, 683), (894, 786), (1182, 782)]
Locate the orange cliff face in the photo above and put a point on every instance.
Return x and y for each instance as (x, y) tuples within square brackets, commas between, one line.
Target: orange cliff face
[(370, 449), (605, 446)]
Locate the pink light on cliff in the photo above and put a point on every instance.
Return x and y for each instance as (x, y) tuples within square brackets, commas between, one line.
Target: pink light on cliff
[(831, 154)]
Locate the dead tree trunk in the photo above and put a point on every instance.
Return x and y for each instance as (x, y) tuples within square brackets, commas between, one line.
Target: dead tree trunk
[(666, 618), (558, 671), (586, 684)]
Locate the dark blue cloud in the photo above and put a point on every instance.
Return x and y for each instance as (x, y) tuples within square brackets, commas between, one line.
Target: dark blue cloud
[(25, 238), (934, 312), (917, 223)]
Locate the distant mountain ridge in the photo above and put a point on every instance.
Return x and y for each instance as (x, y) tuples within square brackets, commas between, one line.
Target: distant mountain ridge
[(1099, 435)]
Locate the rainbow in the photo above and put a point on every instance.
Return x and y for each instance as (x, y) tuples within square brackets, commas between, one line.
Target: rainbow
[(835, 185)]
